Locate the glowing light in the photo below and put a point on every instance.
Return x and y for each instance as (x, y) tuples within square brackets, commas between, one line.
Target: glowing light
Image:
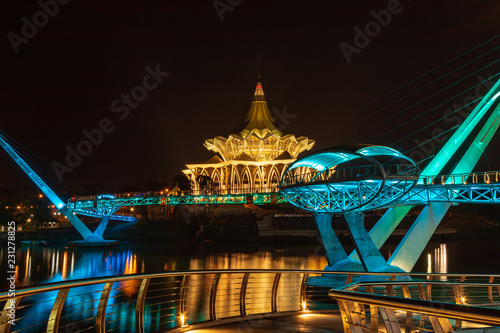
[(183, 320), (313, 165), (60, 205), (463, 300), (304, 306)]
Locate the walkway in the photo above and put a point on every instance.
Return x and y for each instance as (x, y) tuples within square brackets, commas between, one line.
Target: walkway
[(306, 323)]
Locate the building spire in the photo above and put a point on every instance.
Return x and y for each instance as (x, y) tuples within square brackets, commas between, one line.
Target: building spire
[(258, 66)]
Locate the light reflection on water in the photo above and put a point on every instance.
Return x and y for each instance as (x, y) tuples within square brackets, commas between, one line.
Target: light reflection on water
[(45, 264), (38, 264), (437, 262)]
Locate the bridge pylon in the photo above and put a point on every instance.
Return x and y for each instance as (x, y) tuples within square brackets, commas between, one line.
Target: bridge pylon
[(351, 179), (411, 247), (90, 239)]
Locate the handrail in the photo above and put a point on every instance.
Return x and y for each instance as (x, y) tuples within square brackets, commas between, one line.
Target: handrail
[(175, 299), (355, 172), (117, 278), (432, 308), (486, 177), (240, 190)]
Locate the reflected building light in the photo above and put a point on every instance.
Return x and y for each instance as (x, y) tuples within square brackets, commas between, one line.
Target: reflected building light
[(429, 262), (65, 265), (441, 260), (53, 266), (57, 262), (26, 272), (72, 263)]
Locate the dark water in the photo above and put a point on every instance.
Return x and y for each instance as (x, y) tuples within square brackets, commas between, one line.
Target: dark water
[(43, 264)]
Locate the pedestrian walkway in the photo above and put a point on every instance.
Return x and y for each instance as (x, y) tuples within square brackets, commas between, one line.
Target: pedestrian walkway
[(302, 323)]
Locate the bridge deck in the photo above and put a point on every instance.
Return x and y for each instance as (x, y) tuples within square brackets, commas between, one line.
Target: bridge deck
[(313, 323)]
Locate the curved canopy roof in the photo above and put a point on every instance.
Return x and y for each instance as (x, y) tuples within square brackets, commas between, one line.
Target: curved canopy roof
[(327, 158)]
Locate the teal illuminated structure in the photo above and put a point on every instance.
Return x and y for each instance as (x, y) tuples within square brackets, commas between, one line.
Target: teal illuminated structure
[(318, 182), (347, 180), (89, 237)]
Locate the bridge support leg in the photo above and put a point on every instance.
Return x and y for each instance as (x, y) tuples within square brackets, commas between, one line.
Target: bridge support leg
[(385, 226), (333, 249), (409, 250), (76, 222), (369, 255), (102, 226)]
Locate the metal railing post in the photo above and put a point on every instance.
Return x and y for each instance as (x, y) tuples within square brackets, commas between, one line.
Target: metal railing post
[(350, 317), (213, 296), (100, 319), (243, 294), (409, 315), (10, 305), (274, 293), (55, 314), (373, 313), (440, 325), (139, 307), (303, 292), (182, 294)]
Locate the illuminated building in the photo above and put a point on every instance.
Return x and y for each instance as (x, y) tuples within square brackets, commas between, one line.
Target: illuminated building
[(251, 161)]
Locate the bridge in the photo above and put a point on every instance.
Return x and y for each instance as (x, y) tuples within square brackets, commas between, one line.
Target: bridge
[(254, 300), (347, 180), (340, 180)]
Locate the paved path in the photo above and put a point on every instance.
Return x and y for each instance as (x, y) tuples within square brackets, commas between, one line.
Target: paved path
[(303, 323)]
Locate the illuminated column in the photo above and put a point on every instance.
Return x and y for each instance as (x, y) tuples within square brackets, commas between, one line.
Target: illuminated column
[(409, 250), (385, 226), (333, 249), (369, 254), (102, 226), (383, 229)]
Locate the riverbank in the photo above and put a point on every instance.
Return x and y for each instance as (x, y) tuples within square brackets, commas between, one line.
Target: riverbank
[(246, 228)]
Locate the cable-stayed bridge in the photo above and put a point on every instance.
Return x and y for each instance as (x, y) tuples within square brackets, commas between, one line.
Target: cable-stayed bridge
[(342, 180)]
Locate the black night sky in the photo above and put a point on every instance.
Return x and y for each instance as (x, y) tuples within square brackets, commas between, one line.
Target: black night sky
[(64, 79)]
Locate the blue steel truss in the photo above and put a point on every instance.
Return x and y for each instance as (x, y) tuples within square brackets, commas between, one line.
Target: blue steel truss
[(174, 200), (472, 188)]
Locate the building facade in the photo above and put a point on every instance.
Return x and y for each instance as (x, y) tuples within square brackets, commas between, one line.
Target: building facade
[(251, 161)]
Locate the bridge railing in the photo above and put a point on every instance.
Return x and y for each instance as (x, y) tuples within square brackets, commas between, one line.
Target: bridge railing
[(348, 173), (233, 191), (487, 177), (177, 301)]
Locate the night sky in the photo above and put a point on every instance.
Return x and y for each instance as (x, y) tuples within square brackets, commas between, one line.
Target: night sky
[(67, 77)]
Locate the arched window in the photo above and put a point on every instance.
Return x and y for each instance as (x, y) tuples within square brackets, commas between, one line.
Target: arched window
[(258, 182), (216, 180), (246, 181), (273, 180)]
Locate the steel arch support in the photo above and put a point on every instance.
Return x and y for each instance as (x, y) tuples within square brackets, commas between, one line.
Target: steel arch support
[(385, 226), (410, 248), (333, 249), (369, 254)]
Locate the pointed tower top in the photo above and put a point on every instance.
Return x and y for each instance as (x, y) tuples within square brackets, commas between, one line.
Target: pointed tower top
[(259, 93), (259, 119)]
